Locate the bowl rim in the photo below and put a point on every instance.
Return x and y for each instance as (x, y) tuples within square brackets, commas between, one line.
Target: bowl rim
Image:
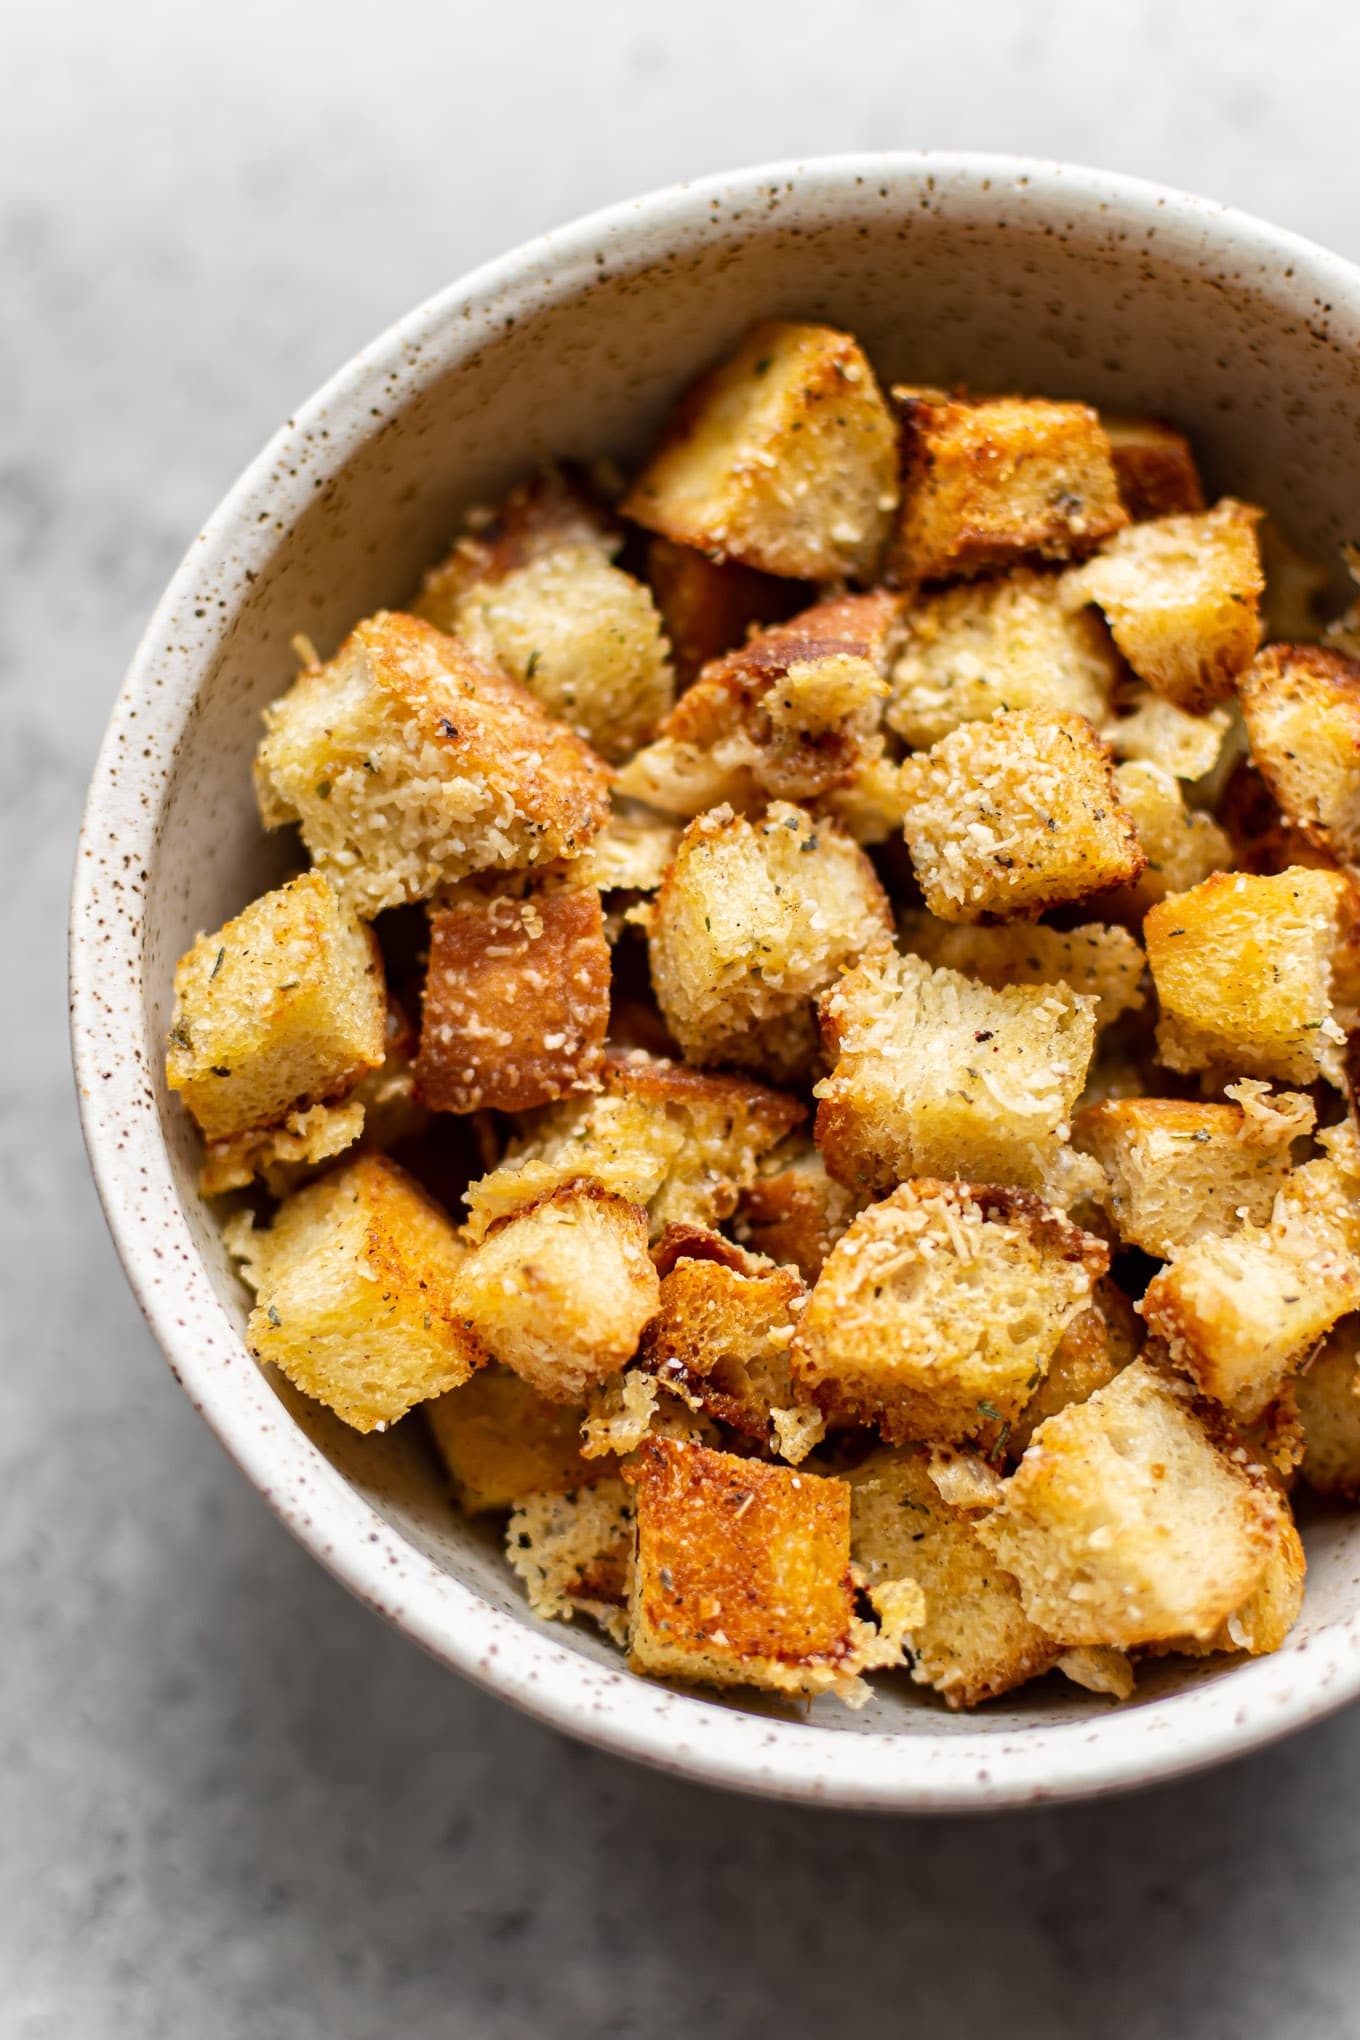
[(523, 1662)]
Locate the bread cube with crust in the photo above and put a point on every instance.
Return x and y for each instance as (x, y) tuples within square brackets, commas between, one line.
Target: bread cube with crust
[(1151, 730), (1126, 1523), (560, 1289), (1154, 467), (1302, 705), (1182, 597), (1098, 1343), (1101, 962), (281, 1009), (976, 1641), (795, 1210), (709, 607), (573, 1552), (284, 1154), (681, 1142), (1242, 1311), (407, 763), (935, 1075), (753, 920), (783, 457), (1009, 641), (720, 1336), (356, 1293), (941, 1309), (1009, 817), (1179, 1169), (1182, 844), (500, 1440), (988, 481), (1264, 842), (516, 995), (554, 508), (1256, 974), (1328, 1396)]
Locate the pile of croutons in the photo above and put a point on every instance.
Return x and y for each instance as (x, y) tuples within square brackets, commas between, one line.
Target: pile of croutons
[(813, 1039)]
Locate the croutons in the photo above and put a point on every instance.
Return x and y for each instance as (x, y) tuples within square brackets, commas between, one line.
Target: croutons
[(1126, 1524), (720, 1340), (1241, 1312), (573, 1553), (1008, 817), (1179, 1169), (407, 763), (1101, 962), (560, 1289), (1008, 642), (976, 1641), (500, 1440), (754, 919), (783, 457), (356, 1293), (683, 1143), (941, 1308), (1253, 974), (708, 606), (1155, 732), (1182, 598), (935, 1075), (280, 1153), (1328, 1396), (516, 996), (992, 481), (794, 1212), (631, 852), (1153, 466), (282, 1008), (1302, 705), (1182, 845), (1099, 1342)]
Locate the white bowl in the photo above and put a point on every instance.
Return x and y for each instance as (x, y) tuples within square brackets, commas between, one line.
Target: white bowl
[(997, 272)]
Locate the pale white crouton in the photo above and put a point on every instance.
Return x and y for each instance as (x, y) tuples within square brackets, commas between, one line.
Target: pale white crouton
[(1153, 731), (1181, 844)]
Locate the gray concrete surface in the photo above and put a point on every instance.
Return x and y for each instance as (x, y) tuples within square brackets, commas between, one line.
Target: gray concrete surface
[(231, 1803)]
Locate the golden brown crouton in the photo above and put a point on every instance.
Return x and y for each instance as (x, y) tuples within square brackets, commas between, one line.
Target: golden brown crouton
[(1264, 843), (500, 1439), (281, 1009), (560, 1289), (1126, 1524), (1153, 731), (1182, 598), (941, 1308), (1103, 963), (1099, 1342), (556, 507), (1182, 845), (720, 1340), (1006, 642), (356, 1287), (708, 606), (1008, 817), (933, 1074), (1253, 974), (1302, 705), (1179, 1169), (573, 1553), (281, 1154), (631, 852), (516, 996), (782, 457), (795, 1212), (1328, 1395), (407, 763), (754, 919), (1153, 466), (1242, 1311), (683, 1143), (976, 1641), (991, 481)]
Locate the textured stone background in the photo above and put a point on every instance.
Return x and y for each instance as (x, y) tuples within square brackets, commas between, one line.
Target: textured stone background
[(231, 1803)]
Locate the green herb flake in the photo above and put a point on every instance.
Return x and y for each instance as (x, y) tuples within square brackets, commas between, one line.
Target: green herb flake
[(218, 965), (986, 1409), (532, 667), (273, 1316), (323, 789)]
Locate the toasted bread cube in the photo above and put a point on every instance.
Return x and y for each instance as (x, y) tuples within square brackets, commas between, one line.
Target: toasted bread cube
[(1126, 1524), (632, 851), (935, 1075), (1098, 1343), (1253, 974), (1264, 843), (783, 457), (553, 509), (1006, 642), (561, 1289), (1182, 597), (1154, 731), (501, 1440), (941, 1308), (1009, 817), (356, 1293), (742, 1575), (1153, 466), (870, 805), (1179, 1169), (682, 1143), (407, 764), (1241, 1312), (516, 997), (755, 918), (573, 1553), (976, 1641), (709, 606), (988, 482), (795, 1211), (282, 1154), (1328, 1395), (1302, 705), (1181, 844), (720, 1339), (282, 1008), (1102, 963)]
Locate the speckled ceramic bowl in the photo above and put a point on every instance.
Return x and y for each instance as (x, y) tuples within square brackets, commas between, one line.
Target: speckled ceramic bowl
[(1007, 274)]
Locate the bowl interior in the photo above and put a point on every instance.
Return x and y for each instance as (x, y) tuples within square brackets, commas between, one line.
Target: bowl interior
[(999, 275)]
